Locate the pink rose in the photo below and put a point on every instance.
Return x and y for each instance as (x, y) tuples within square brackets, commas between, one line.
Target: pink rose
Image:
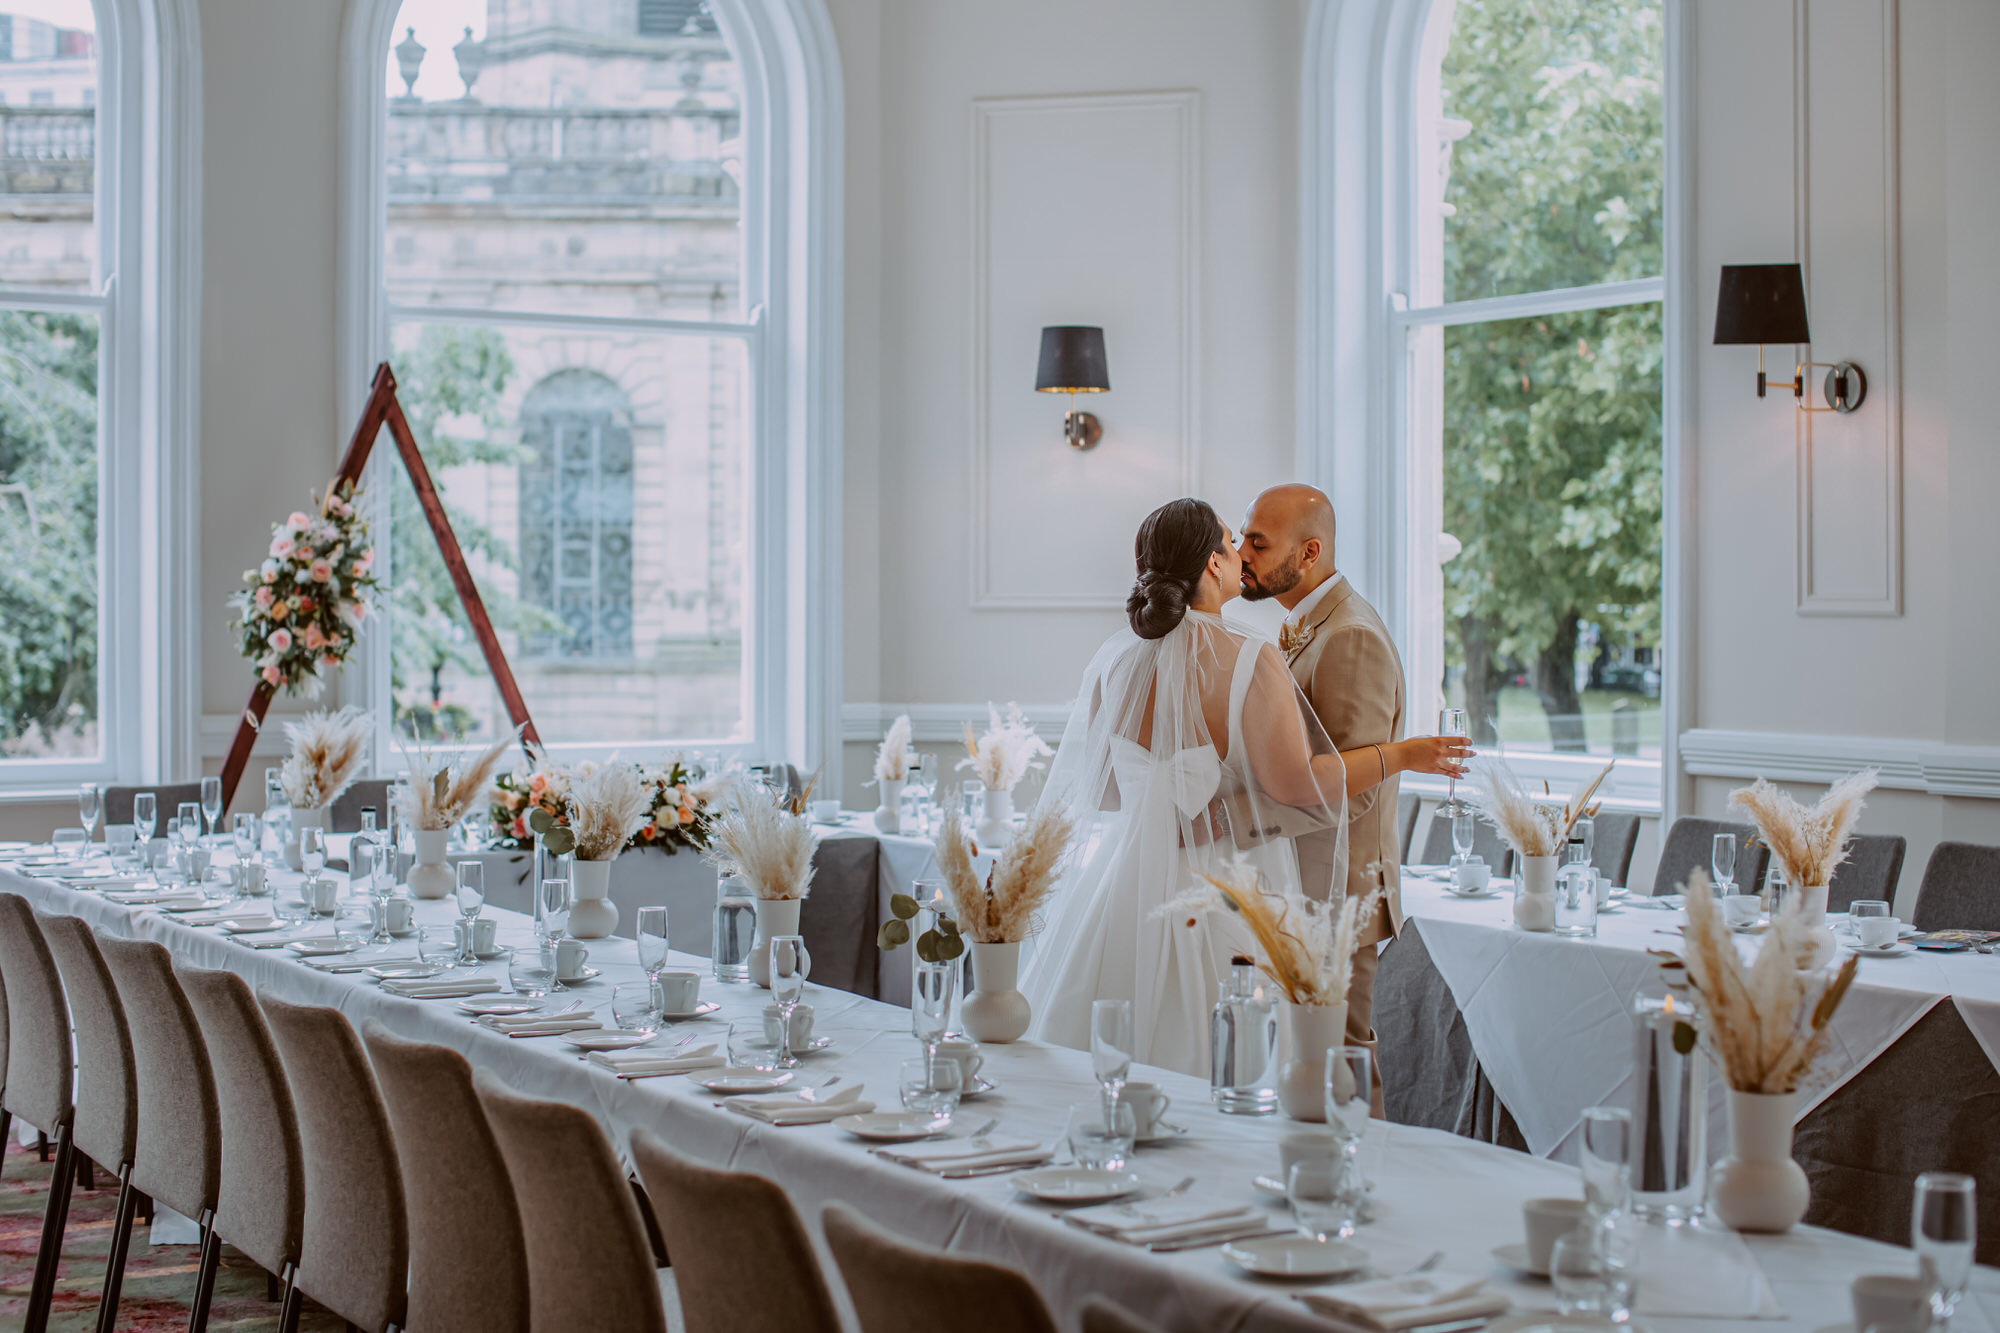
[(519, 827), (329, 661), (366, 562), (354, 612), (297, 521), (272, 676), (315, 640), (280, 639), (333, 638), (321, 571), (263, 598), (281, 547), (302, 554)]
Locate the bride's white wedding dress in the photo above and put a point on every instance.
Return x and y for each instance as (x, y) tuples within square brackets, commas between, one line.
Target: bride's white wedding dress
[(1181, 752)]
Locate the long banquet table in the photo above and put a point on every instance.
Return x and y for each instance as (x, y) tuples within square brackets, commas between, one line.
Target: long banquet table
[(1433, 1190)]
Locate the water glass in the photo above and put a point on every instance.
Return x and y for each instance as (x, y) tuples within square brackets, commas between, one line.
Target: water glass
[(1586, 1280), (931, 1085), (1101, 1134), (438, 946), (633, 1007), (89, 808), (1111, 1045), (532, 971), (67, 843), (1349, 1072), (1944, 1231), (1607, 1159), (145, 816), (211, 801), (1722, 861), (750, 1047), (190, 820), (930, 1001), (1323, 1204), (471, 897)]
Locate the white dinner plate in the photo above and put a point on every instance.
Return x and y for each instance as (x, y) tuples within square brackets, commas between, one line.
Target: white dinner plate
[(702, 1010), (322, 948), (1295, 1256), (1896, 950), (737, 1080), (607, 1039), (1515, 1256), (891, 1126), (1535, 1321), (404, 971), (504, 1006), (1075, 1184)]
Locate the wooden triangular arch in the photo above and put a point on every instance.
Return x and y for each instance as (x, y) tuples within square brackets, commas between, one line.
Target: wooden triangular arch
[(382, 410)]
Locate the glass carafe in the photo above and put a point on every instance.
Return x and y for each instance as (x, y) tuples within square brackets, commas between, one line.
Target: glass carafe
[(1244, 1043)]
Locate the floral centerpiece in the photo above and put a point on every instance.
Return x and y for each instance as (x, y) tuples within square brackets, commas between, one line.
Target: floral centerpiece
[(1005, 753), (1807, 844), (435, 798), (327, 750), (997, 913), (680, 813), (770, 848), (892, 770), (606, 806), (305, 603)]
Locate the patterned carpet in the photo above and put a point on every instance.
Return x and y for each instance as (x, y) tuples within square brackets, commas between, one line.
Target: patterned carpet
[(159, 1281)]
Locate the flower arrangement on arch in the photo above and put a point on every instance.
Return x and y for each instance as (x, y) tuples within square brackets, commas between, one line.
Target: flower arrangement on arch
[(681, 808), (302, 610)]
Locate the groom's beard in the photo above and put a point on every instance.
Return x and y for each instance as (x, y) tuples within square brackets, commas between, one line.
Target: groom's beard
[(1278, 582)]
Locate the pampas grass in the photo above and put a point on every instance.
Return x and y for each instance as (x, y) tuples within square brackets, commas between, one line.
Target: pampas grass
[(892, 761), (327, 750), (1531, 827), (1003, 909), (1808, 844), (1006, 752), (436, 797), (756, 839), (1305, 946), (606, 807), (1766, 1023)]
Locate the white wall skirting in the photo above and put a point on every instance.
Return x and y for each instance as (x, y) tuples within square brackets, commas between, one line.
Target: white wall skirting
[(932, 724), (1905, 764)]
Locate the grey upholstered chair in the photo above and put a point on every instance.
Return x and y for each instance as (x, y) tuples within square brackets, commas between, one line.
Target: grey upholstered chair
[(897, 1287), (1103, 1316), (1408, 806), (179, 1159), (1873, 865), (262, 1204), (1689, 844), (355, 1255), (1613, 836), (468, 1261), (1960, 890), (107, 1084), (743, 1262), (368, 793), (40, 1070), (589, 1262), (168, 797), (1486, 843)]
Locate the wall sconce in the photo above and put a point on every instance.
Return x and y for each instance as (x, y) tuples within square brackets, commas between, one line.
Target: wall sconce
[(1766, 303), (1073, 363)]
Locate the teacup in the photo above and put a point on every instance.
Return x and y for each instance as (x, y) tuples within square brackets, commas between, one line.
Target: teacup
[(401, 914), (1603, 887), (483, 934), (1877, 931), (1305, 1145), (969, 1059), (192, 862), (825, 812), (679, 992), (159, 854), (570, 958), (1742, 909), (120, 839), (802, 1025), (1471, 876), (321, 895), (1148, 1104), (1548, 1221), (1890, 1303), (250, 879)]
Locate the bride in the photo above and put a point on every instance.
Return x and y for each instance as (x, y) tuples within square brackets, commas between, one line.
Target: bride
[(1189, 744)]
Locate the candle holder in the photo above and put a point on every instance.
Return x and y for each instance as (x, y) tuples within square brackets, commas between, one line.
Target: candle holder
[(1669, 1110)]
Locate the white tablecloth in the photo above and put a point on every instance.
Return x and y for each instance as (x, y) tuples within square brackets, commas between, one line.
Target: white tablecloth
[(1433, 1189), (1550, 1018)]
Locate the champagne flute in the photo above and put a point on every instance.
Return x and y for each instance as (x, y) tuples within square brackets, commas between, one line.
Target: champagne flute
[(312, 856), (248, 832), (1451, 722), (211, 802), (930, 1002), (189, 815), (145, 816), (363, 859), (1943, 1231), (1111, 1048), (552, 910), (90, 806), (1722, 860), (471, 898), (789, 964), (650, 933)]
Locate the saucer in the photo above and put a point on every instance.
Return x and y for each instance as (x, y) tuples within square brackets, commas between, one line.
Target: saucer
[(702, 1010), (736, 1080), (501, 1006), (980, 1087), (1075, 1184), (405, 971), (588, 973), (608, 1039), (1163, 1133), (322, 948), (1536, 1321), (1480, 896), (1515, 1256), (1295, 1256), (1896, 950), (497, 951), (891, 1126)]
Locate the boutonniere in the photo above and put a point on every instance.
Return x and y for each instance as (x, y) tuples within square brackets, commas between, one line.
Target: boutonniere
[(1292, 639)]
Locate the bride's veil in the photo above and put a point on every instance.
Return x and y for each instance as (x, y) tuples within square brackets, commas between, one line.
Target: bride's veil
[(1180, 753)]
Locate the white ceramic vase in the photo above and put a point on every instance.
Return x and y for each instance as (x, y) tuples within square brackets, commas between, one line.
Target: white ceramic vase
[(995, 1010), (996, 826), (1812, 910), (889, 814), (1758, 1187), (1535, 892), (775, 916), (302, 819), (592, 914), (1306, 1032), (431, 876)]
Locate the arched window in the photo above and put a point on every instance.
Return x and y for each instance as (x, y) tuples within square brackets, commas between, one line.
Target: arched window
[(582, 239)]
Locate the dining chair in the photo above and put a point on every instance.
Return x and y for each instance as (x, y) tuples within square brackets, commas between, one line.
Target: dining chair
[(168, 799), (1960, 889), (179, 1156), (1690, 845), (468, 1260), (589, 1263), (1106, 1316), (40, 1074), (897, 1287), (105, 1127), (262, 1203), (743, 1262), (1486, 843), (1871, 869), (1614, 836), (1408, 806), (345, 815), (354, 1255)]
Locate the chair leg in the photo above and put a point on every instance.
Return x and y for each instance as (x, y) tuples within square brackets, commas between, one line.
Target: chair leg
[(54, 1218), (6, 1128), (114, 1262), (288, 1313), (204, 1283), (86, 1172), (273, 1291), (42, 1146), (146, 1208)]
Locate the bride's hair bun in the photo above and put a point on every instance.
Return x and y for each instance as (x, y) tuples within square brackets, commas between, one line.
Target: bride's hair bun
[(1172, 551)]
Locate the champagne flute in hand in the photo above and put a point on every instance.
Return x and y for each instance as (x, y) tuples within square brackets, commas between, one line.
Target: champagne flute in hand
[(1452, 722)]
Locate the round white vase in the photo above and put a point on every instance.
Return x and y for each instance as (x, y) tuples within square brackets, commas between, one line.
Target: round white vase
[(1535, 892), (1812, 910), (302, 819), (592, 914), (1306, 1032), (995, 1010), (996, 827), (775, 916), (889, 814), (1758, 1187), (431, 876)]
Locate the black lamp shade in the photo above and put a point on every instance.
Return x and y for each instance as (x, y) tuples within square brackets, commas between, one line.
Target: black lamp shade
[(1761, 303), (1072, 360)]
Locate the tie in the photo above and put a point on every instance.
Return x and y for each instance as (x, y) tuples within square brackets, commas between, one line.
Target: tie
[(1293, 638)]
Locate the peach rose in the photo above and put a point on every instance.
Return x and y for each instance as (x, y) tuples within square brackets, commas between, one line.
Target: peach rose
[(303, 554), (519, 827), (315, 639), (280, 639), (280, 610), (687, 816), (272, 676), (329, 662), (281, 547), (321, 571), (296, 521), (263, 598)]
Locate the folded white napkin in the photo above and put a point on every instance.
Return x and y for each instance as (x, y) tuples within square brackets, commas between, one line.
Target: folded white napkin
[(1392, 1303), (792, 1109), (66, 870), (536, 1025), (651, 1064), (106, 880), (942, 1155), (167, 898), (1150, 1221), (349, 963), (441, 988)]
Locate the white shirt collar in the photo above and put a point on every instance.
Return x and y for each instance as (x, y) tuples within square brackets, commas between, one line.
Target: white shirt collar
[(1297, 615)]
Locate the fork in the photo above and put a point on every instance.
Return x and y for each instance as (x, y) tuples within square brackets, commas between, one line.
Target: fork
[(1132, 1209)]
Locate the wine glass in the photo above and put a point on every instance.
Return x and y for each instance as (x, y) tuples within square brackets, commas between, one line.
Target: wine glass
[(90, 807), (930, 1002), (1722, 861), (789, 964), (1943, 1231), (361, 869), (471, 898), (1464, 828), (312, 856), (247, 831), (211, 802), (651, 935), (145, 817), (1451, 722), (1111, 1047), (552, 910), (189, 815)]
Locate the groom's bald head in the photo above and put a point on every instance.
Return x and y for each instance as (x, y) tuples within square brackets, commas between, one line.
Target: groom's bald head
[(1287, 543)]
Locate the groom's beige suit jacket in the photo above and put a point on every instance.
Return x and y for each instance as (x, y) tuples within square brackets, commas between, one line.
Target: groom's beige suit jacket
[(1347, 665)]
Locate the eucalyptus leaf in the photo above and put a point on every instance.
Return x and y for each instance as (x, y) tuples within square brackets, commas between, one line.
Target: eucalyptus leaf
[(903, 906), (540, 820), (950, 947), (559, 840), (892, 935), (927, 947), (948, 927), (1684, 1037)]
